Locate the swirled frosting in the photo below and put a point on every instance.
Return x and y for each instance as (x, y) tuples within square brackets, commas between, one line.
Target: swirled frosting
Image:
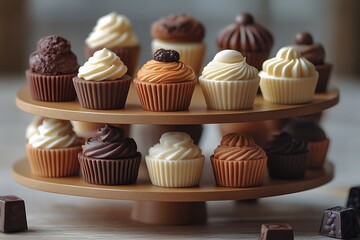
[(314, 52), (305, 129), (175, 146), (54, 133), (229, 65), (289, 63), (178, 28), (284, 144), (112, 30), (245, 35), (109, 143), (103, 65), (238, 147)]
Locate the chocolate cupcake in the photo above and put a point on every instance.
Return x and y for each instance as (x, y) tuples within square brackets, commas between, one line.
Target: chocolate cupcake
[(52, 67), (110, 158)]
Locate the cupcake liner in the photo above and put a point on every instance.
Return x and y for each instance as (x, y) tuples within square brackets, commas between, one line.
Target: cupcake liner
[(175, 173), (318, 151), (256, 59), (102, 95), (288, 166), (191, 54), (165, 97), (247, 173), (287, 90), (229, 95), (47, 88), (129, 55), (110, 171), (59, 162), (324, 76)]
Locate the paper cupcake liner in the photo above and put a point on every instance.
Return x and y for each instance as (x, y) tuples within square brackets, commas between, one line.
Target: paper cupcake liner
[(256, 59), (191, 54), (318, 151), (110, 171), (175, 173), (288, 166), (60, 162), (165, 97), (287, 90), (129, 55), (229, 95), (247, 173), (102, 95), (324, 76), (46, 88)]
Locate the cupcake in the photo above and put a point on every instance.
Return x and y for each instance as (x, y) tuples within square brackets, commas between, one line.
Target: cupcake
[(52, 67), (247, 37), (238, 161), (175, 162), (228, 82), (182, 33), (287, 156), (115, 33), (102, 83), (110, 158), (288, 78), (309, 131), (52, 150), (315, 53), (165, 84)]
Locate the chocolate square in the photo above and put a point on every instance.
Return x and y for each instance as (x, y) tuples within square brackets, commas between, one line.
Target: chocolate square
[(12, 214), (354, 199), (276, 231), (339, 222)]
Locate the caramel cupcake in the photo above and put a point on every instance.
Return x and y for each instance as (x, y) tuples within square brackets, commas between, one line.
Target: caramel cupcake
[(52, 150), (288, 78), (287, 156), (228, 82), (114, 32), (238, 161), (247, 37), (165, 84), (182, 33), (110, 158), (175, 161), (102, 83), (52, 67)]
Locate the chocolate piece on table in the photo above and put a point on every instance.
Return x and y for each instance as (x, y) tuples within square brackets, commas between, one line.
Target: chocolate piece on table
[(276, 231), (339, 222), (12, 214), (354, 199)]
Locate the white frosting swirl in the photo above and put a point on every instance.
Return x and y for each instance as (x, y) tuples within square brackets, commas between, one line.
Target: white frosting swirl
[(229, 65), (175, 146), (53, 133), (103, 65), (112, 30)]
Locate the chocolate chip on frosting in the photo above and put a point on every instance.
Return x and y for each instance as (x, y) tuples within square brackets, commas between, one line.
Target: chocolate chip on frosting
[(244, 18), (164, 55), (304, 38)]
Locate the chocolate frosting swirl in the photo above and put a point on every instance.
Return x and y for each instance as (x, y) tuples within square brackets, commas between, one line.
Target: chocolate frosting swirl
[(53, 56), (285, 144), (178, 28), (245, 35), (109, 143), (314, 52), (306, 130)]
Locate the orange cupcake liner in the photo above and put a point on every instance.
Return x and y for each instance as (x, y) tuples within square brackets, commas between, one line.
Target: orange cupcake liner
[(324, 76), (288, 166), (318, 151)]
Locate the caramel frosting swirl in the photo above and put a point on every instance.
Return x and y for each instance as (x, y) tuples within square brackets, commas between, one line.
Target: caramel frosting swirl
[(284, 144), (178, 28), (238, 147), (314, 52)]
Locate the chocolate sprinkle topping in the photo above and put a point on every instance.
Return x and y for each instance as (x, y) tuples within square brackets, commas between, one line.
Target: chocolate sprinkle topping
[(164, 55)]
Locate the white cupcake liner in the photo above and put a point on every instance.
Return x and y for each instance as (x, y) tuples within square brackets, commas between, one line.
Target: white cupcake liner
[(175, 173), (229, 95)]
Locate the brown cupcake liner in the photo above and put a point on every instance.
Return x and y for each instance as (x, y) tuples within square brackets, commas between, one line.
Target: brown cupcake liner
[(129, 55), (102, 95), (110, 171), (165, 97), (318, 151), (288, 166), (60, 162), (247, 173), (324, 76), (46, 88)]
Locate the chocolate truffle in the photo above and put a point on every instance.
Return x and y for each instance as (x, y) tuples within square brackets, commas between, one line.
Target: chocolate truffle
[(276, 231), (12, 214)]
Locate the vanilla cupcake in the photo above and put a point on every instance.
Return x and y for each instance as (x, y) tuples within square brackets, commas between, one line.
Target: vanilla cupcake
[(228, 82), (288, 78), (102, 82), (114, 32), (238, 161), (175, 162), (52, 150)]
